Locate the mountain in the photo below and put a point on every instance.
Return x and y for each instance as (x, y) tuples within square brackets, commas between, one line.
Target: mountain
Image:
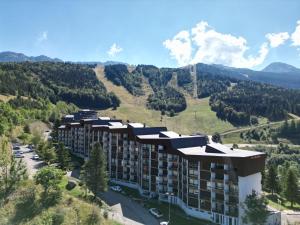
[(20, 57), (106, 63), (279, 67), (272, 76)]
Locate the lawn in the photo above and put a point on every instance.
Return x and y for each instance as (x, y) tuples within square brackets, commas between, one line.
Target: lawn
[(274, 201), (77, 192)]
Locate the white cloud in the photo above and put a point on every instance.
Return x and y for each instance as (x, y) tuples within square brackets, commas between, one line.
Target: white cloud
[(42, 36), (114, 49), (180, 47), (296, 35), (213, 47), (277, 39)]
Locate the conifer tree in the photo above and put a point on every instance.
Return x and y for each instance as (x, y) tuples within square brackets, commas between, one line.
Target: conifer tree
[(63, 156), (291, 186), (272, 181), (94, 173)]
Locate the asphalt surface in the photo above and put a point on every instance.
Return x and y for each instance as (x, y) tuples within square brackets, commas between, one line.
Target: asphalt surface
[(32, 165), (132, 212)]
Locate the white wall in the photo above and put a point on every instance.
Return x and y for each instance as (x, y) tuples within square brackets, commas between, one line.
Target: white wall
[(246, 186)]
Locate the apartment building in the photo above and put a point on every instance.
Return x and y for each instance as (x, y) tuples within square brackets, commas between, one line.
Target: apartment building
[(207, 180)]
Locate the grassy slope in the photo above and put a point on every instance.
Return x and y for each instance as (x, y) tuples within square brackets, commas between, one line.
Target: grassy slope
[(70, 203), (134, 109)]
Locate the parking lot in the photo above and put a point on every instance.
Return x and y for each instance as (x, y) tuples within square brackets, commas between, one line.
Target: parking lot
[(32, 165)]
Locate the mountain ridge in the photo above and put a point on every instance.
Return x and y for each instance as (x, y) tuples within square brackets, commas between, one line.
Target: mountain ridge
[(280, 67), (9, 56), (277, 73)]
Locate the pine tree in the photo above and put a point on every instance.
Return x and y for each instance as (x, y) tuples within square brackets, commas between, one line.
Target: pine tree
[(293, 128), (291, 186), (63, 156), (272, 181), (284, 130), (255, 209), (94, 173), (216, 138)]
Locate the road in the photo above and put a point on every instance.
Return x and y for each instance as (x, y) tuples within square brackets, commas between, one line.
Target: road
[(32, 165), (257, 126), (130, 212)]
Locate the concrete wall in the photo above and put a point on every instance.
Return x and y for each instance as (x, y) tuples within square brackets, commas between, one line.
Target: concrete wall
[(246, 186)]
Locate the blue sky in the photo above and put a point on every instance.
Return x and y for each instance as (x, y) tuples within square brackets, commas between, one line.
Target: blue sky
[(164, 33)]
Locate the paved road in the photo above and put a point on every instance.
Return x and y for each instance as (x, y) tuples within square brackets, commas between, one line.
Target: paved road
[(253, 127), (132, 212), (32, 165)]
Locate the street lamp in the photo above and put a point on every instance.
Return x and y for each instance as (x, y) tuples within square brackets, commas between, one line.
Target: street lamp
[(169, 194)]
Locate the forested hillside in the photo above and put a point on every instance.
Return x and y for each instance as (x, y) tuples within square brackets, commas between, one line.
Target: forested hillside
[(75, 83), (120, 75), (239, 101), (250, 98), (18, 110), (164, 98)]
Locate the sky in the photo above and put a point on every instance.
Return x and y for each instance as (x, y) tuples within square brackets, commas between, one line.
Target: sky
[(165, 33)]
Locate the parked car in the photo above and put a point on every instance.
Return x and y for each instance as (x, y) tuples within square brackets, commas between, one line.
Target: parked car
[(164, 223), (116, 188), (36, 157), (155, 212), (19, 155), (18, 152)]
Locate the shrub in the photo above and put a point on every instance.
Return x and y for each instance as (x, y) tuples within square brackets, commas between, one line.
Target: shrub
[(58, 217), (69, 201), (71, 185), (105, 214), (94, 216), (98, 201)]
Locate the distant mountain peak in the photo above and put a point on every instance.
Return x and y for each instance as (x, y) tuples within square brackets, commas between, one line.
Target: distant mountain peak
[(279, 67), (9, 56)]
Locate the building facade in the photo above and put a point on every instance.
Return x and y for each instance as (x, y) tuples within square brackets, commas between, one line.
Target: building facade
[(207, 180)]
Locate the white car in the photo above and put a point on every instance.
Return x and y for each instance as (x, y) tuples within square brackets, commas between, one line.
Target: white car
[(164, 223), (36, 157), (155, 212), (116, 188)]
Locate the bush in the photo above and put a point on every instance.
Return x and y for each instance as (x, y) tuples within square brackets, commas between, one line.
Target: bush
[(71, 185), (98, 201), (105, 214), (94, 217), (69, 201), (58, 217)]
